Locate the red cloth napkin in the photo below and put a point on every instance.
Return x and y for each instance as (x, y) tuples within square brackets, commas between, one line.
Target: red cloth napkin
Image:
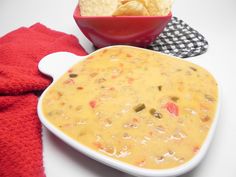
[(20, 129)]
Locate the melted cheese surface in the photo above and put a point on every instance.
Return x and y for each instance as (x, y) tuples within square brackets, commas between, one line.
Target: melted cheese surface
[(138, 106)]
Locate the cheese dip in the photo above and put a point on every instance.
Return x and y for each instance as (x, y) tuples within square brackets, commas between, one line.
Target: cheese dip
[(140, 107)]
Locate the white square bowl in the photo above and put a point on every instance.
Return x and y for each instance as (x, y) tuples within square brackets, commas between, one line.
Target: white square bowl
[(55, 65)]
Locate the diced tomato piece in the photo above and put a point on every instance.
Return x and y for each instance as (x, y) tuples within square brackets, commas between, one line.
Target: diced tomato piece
[(130, 80), (98, 145), (93, 103), (196, 149), (172, 108), (69, 81)]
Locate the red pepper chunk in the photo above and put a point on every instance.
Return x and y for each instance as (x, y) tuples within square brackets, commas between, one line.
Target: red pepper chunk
[(172, 108), (93, 103)]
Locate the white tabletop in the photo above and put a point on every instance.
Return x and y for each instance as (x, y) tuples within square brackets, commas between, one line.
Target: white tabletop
[(215, 19)]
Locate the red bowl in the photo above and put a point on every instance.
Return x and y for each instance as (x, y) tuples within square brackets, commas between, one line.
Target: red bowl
[(104, 31)]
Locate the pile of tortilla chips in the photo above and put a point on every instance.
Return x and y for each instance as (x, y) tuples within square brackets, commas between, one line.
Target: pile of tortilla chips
[(125, 7)]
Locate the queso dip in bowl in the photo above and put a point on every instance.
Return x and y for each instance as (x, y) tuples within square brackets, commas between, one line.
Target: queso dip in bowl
[(136, 110)]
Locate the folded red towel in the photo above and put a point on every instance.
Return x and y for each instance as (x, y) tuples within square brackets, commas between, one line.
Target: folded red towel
[(20, 129)]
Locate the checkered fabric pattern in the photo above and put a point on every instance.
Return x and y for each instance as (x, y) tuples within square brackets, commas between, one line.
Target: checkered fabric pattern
[(180, 40)]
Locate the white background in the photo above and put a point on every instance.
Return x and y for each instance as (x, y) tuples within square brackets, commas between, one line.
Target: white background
[(215, 19)]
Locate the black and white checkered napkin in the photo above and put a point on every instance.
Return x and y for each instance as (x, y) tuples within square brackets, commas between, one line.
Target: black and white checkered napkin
[(180, 40)]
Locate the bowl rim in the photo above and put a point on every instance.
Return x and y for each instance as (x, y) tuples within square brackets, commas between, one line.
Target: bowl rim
[(109, 161), (77, 15)]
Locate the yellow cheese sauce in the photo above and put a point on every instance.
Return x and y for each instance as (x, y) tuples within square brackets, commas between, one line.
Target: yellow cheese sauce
[(138, 106)]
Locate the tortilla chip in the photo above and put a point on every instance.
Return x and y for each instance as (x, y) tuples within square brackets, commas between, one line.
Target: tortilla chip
[(131, 8), (159, 7), (98, 7), (144, 2), (125, 7)]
